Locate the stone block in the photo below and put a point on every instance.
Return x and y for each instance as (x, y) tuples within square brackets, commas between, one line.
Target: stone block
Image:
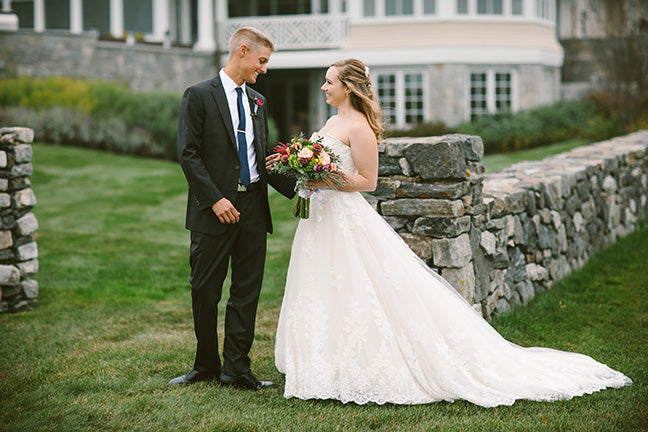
[(422, 207), (27, 251), (437, 160), (27, 224), (433, 190), (5, 200), (29, 288), (28, 268), (9, 275), (20, 134), (388, 166), (24, 199), (21, 170), (462, 279), (441, 226), (452, 252), (536, 272), (3, 159), (420, 245), (22, 153), (488, 242), (6, 239), (386, 187), (406, 168)]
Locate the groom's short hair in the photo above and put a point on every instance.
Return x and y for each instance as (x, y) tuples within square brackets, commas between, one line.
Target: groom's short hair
[(251, 37)]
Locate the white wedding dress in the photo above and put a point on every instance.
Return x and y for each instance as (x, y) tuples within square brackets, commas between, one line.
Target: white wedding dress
[(363, 320)]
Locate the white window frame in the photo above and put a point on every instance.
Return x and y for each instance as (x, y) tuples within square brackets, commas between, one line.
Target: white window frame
[(379, 9), (491, 97), (399, 84)]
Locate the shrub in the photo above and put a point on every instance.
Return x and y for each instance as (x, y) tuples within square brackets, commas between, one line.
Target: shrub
[(95, 114)]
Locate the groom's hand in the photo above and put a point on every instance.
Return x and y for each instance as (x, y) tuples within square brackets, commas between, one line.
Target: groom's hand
[(225, 211)]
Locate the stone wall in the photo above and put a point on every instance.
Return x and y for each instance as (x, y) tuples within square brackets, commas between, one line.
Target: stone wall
[(18, 225), (499, 239), (143, 67)]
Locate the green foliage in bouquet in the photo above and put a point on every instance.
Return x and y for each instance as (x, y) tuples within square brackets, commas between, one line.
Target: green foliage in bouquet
[(306, 160)]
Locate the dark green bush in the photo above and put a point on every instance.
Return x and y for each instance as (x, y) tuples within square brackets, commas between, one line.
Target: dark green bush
[(97, 114)]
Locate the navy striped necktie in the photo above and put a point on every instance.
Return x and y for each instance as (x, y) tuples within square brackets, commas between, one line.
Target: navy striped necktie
[(240, 139)]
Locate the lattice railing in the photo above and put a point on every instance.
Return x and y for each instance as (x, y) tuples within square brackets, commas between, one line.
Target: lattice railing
[(291, 32)]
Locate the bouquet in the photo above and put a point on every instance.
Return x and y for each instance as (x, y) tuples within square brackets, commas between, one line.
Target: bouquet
[(307, 161)]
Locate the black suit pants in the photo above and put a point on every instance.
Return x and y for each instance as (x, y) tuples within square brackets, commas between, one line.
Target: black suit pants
[(244, 243)]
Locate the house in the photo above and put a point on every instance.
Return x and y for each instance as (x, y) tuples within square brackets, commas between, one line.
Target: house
[(430, 60), (606, 46)]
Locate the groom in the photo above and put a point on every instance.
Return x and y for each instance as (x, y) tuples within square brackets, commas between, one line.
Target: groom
[(222, 135)]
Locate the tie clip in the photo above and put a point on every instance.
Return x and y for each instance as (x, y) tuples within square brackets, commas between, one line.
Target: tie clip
[(240, 131)]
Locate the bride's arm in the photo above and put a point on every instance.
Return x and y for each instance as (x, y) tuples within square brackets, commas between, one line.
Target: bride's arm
[(364, 150)]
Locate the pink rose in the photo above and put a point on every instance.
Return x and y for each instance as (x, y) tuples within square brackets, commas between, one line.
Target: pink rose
[(305, 153), (318, 167), (324, 158)]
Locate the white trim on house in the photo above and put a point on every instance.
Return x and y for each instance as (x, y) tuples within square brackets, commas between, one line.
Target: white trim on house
[(417, 56)]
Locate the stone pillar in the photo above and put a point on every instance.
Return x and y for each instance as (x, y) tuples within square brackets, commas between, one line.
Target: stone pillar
[(117, 18), (6, 5), (206, 40), (429, 191), (18, 225), (76, 16), (39, 15)]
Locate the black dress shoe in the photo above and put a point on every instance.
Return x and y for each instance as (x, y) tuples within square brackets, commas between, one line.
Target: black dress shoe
[(192, 377), (246, 381)]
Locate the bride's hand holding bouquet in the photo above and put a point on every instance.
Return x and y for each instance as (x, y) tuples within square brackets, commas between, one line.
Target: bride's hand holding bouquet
[(311, 163)]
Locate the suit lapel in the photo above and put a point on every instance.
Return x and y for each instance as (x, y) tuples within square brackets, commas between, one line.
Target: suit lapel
[(259, 145), (218, 93)]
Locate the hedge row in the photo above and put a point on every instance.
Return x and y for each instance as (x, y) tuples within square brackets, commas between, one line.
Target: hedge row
[(98, 114)]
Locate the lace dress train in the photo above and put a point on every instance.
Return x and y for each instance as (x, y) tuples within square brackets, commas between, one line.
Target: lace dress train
[(363, 320)]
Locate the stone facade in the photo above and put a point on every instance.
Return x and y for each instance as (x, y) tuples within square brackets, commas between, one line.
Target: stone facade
[(18, 225), (143, 67), (499, 239)]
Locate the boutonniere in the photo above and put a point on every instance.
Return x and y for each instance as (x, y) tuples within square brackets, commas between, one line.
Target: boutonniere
[(257, 103)]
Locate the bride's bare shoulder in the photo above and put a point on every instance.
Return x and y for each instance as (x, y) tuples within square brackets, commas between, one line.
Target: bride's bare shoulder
[(360, 129)]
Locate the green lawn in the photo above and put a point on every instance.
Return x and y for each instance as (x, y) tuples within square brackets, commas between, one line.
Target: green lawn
[(113, 323), (499, 161)]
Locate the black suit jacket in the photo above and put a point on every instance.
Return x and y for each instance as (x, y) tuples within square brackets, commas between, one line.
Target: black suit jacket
[(208, 154)]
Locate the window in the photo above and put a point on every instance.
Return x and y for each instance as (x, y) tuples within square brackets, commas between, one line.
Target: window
[(503, 91), (413, 98), (489, 7), (478, 96), (402, 98), (490, 92), (396, 8), (543, 9), (399, 7), (57, 14), (138, 16), (96, 15), (429, 7), (25, 12), (369, 8), (387, 97)]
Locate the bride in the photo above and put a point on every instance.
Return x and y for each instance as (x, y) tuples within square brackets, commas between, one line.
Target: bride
[(364, 320)]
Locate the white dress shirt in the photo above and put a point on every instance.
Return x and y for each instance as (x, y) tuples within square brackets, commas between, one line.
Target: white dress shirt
[(230, 91)]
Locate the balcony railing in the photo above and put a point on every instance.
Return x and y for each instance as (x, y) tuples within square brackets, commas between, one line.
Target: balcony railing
[(293, 32)]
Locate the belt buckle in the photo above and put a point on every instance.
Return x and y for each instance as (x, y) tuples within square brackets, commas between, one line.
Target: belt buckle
[(241, 188)]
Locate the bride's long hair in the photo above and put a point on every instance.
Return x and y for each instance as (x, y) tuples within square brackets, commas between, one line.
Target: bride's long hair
[(355, 76)]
